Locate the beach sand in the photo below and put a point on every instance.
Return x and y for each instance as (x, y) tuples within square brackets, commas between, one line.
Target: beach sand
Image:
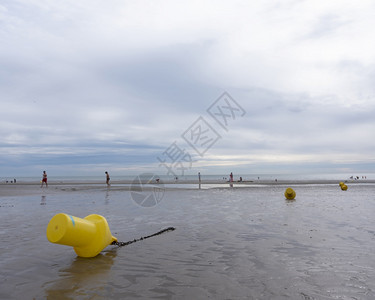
[(245, 242)]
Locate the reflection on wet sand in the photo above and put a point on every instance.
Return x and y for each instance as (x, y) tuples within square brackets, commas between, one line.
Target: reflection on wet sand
[(43, 200), (107, 197), (85, 277)]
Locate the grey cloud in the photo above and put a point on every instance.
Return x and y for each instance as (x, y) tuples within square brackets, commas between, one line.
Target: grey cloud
[(270, 125), (169, 76)]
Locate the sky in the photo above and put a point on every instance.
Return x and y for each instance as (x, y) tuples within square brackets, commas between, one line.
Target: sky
[(180, 87)]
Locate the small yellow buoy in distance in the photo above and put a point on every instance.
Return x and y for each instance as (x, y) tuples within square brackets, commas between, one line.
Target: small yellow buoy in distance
[(290, 194), (88, 236), (343, 186)]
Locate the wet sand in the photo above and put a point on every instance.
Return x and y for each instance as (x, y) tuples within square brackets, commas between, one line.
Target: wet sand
[(229, 243)]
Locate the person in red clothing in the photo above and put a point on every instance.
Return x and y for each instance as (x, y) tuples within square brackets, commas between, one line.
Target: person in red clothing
[(44, 179)]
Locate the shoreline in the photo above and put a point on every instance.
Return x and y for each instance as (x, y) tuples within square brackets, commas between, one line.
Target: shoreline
[(56, 187), (249, 182)]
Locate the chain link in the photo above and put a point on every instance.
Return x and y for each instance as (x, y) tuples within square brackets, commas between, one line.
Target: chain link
[(121, 244)]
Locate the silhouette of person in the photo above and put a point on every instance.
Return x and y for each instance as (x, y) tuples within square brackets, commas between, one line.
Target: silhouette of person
[(44, 179)]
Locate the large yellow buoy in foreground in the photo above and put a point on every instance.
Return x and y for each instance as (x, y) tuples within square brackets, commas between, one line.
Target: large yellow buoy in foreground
[(88, 236), (290, 194)]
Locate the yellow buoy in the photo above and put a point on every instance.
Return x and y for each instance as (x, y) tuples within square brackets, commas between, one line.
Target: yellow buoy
[(341, 183), (290, 194), (344, 187), (88, 236)]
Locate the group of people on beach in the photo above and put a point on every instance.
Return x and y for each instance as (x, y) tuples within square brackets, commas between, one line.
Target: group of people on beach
[(357, 177), (12, 181), (44, 179), (231, 178)]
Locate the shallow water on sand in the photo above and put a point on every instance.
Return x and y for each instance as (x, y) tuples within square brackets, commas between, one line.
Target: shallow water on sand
[(246, 243)]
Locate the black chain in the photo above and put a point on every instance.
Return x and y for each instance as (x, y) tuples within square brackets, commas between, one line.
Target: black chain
[(121, 244)]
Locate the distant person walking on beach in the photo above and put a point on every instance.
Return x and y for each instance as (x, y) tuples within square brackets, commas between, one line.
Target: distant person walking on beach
[(199, 177), (231, 177), (44, 179), (107, 178)]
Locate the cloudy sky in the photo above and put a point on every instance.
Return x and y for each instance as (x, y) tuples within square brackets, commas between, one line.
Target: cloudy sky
[(88, 86)]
